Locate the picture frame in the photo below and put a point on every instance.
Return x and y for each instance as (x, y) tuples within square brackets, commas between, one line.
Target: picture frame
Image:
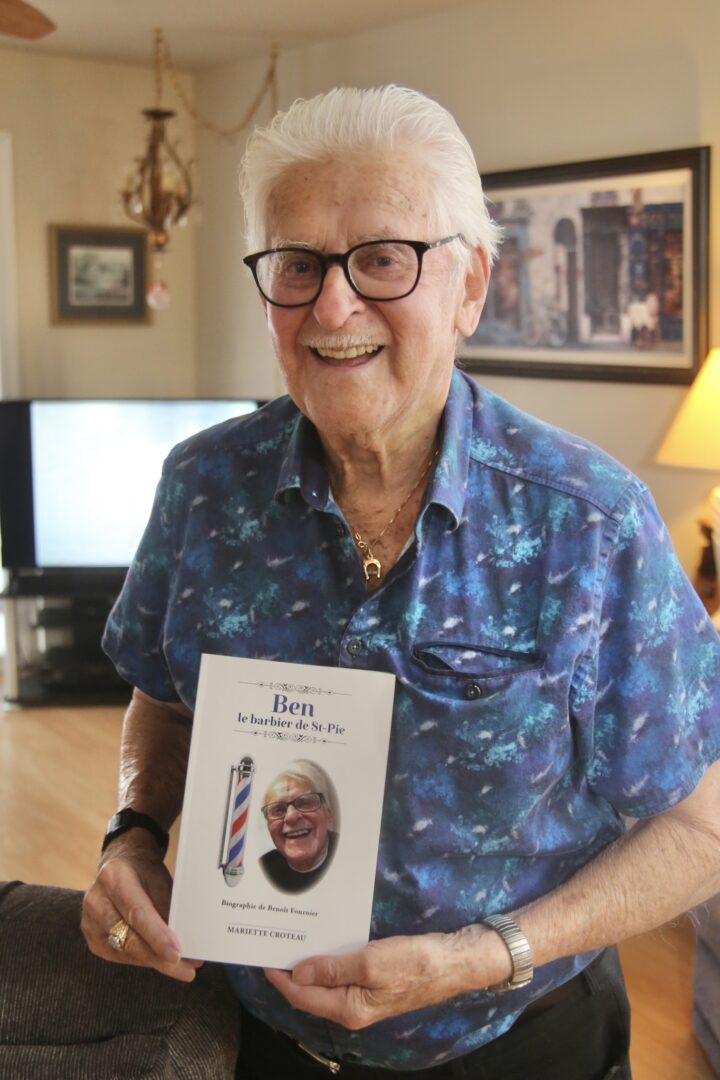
[(602, 273), (98, 274)]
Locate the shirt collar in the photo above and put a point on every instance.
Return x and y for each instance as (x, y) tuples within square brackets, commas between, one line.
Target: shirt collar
[(303, 467), (449, 483)]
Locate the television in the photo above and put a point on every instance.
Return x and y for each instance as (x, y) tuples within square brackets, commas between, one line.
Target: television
[(77, 478)]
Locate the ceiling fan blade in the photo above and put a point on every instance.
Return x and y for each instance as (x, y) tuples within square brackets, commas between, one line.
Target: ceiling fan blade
[(22, 20)]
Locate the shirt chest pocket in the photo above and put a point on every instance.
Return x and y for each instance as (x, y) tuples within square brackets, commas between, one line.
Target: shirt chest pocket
[(484, 735), (463, 671)]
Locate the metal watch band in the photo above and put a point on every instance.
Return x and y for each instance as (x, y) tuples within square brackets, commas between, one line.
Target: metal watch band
[(132, 819), (520, 953)]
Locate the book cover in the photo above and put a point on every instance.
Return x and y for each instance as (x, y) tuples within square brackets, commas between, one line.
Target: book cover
[(281, 817)]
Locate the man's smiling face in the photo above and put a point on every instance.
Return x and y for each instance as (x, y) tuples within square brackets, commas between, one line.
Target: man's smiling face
[(359, 367), (301, 837)]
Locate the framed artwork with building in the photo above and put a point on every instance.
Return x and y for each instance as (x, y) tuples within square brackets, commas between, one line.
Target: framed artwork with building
[(98, 274), (602, 273)]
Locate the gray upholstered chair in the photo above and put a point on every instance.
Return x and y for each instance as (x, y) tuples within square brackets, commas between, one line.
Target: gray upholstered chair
[(66, 1015)]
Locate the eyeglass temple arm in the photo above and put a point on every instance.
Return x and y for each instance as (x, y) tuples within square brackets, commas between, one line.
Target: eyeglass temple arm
[(447, 240)]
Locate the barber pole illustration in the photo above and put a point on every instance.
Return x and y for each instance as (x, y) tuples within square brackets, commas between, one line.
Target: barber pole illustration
[(236, 819)]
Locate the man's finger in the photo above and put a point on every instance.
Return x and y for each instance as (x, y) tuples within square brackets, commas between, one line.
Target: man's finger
[(348, 970), (135, 906), (123, 892), (328, 1003), (136, 951)]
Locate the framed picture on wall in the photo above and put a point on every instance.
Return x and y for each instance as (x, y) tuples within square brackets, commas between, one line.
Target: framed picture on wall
[(602, 273), (98, 274)]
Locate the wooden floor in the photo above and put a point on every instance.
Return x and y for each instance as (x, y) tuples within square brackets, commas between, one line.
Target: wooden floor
[(58, 772)]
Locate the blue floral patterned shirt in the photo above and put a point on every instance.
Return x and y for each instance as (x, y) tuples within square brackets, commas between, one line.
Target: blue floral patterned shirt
[(555, 670)]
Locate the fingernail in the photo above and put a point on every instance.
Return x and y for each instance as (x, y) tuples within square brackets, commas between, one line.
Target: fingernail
[(172, 950), (304, 976)]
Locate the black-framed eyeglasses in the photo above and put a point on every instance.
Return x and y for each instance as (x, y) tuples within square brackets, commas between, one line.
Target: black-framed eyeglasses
[(304, 804), (377, 270)]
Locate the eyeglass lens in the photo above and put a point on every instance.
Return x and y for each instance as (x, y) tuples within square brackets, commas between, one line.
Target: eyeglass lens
[(380, 270), (313, 800)]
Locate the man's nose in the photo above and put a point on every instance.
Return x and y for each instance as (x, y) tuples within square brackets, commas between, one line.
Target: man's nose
[(337, 300), (292, 813)]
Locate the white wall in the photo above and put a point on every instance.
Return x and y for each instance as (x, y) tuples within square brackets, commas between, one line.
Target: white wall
[(76, 128), (534, 84)]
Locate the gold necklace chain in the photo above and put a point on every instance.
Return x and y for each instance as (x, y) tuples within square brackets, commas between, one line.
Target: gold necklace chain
[(372, 567)]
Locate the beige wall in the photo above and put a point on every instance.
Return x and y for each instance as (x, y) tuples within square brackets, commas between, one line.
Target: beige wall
[(76, 127), (534, 84), (234, 354)]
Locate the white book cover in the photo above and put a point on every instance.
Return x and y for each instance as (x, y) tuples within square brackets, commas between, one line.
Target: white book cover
[(281, 817)]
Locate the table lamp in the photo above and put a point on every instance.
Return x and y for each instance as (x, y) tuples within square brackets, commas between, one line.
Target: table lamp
[(693, 440)]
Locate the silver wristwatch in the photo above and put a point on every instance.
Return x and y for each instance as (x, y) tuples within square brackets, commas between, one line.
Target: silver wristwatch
[(520, 953)]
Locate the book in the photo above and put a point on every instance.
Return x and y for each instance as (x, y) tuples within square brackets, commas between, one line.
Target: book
[(281, 817)]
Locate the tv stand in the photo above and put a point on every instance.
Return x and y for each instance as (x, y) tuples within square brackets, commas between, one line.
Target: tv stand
[(54, 622)]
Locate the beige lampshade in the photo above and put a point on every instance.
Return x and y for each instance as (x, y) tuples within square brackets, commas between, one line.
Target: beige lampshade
[(693, 441)]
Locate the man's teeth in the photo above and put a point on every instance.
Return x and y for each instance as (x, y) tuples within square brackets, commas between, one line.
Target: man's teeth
[(348, 354)]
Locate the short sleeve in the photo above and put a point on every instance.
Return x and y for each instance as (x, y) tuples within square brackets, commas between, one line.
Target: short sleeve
[(653, 686), (133, 637)]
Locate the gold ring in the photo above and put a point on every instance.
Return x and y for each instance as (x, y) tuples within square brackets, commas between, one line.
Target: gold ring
[(118, 935)]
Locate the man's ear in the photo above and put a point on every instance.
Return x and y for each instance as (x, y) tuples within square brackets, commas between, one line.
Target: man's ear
[(475, 283)]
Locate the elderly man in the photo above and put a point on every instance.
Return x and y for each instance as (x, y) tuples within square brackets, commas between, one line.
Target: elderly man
[(298, 810), (556, 675)]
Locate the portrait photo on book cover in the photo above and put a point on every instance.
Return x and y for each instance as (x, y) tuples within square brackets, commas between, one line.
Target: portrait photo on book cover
[(301, 813)]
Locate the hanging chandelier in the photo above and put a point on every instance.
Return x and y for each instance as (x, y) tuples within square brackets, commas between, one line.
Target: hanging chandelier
[(158, 194)]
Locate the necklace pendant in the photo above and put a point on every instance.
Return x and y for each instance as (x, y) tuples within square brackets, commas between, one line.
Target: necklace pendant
[(372, 568)]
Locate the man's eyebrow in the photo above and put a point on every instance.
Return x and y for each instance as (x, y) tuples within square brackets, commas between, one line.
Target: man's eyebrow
[(283, 242), (367, 238)]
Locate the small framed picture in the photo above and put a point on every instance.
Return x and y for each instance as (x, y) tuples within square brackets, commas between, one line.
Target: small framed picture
[(98, 274), (602, 273)]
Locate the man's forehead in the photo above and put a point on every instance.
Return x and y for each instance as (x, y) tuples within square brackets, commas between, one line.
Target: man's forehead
[(286, 785), (368, 197)]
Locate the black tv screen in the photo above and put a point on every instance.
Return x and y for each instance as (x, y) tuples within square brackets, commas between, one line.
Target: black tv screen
[(77, 478)]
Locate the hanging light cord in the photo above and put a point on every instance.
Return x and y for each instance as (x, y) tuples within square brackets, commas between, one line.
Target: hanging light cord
[(163, 59)]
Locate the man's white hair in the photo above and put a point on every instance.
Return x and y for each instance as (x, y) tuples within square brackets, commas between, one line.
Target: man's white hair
[(387, 119), (310, 773)]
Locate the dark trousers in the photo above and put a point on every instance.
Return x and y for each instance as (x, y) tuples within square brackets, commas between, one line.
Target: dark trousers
[(581, 1032)]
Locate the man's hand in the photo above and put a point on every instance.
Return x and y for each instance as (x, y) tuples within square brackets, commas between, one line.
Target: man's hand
[(133, 884), (394, 976)]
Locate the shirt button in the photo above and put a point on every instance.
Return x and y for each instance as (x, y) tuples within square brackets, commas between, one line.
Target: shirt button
[(472, 691), (339, 528), (355, 647)]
